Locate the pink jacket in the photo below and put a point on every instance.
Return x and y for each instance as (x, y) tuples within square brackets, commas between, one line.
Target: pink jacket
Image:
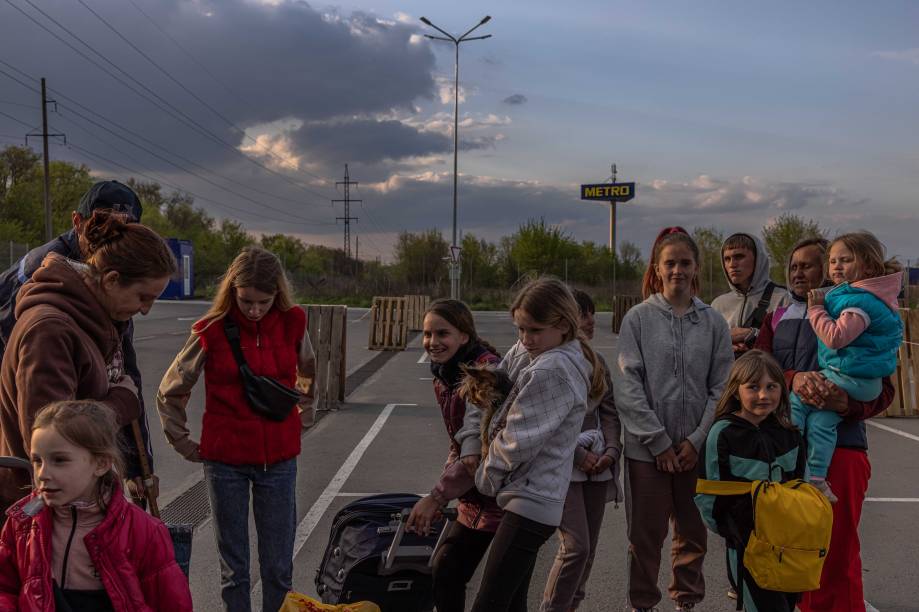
[(131, 551)]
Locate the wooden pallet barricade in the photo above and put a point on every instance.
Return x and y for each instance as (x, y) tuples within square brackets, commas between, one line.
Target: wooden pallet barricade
[(328, 330), (388, 324), (906, 378), (621, 305), (416, 306)]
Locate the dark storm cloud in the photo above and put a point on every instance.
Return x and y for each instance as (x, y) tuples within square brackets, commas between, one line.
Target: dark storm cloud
[(515, 100), (367, 141), (267, 62)]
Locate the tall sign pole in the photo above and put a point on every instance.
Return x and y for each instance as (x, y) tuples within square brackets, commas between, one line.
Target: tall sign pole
[(612, 193)]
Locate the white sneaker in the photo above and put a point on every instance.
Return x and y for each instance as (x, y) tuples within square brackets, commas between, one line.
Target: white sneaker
[(824, 487)]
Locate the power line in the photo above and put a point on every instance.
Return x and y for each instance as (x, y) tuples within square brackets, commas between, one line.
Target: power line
[(158, 101), (160, 157), (347, 202)]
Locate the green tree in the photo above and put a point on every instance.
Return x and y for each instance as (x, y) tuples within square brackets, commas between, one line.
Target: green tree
[(782, 234), (542, 249), (711, 270), (479, 259), (421, 258)]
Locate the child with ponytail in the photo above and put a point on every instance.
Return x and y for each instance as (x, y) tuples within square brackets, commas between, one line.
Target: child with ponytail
[(531, 437), (674, 357)]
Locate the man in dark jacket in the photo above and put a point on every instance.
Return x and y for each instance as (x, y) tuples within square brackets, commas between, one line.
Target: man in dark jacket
[(102, 195)]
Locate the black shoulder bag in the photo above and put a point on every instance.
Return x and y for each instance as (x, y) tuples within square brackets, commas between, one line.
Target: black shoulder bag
[(755, 320), (267, 397)]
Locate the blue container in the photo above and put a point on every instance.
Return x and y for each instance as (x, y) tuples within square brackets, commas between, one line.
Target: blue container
[(182, 284)]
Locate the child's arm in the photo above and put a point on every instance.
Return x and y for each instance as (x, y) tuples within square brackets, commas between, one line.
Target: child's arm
[(635, 412), (610, 424), (162, 581), (545, 400), (173, 394), (841, 332), (10, 584)]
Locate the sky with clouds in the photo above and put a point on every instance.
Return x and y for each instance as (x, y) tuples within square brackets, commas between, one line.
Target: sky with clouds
[(724, 113)]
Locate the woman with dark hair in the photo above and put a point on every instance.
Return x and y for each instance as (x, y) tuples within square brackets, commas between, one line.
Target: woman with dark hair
[(786, 333), (65, 344), (451, 341)]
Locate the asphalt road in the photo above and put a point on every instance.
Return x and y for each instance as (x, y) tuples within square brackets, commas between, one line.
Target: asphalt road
[(389, 437)]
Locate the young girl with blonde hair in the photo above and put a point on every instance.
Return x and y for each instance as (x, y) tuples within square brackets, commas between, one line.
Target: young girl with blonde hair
[(105, 553), (674, 356), (243, 446), (752, 439), (858, 332), (531, 437)]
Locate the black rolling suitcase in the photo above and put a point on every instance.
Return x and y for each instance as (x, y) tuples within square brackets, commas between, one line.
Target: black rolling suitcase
[(370, 556)]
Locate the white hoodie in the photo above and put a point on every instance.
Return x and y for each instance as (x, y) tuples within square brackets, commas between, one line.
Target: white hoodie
[(534, 433)]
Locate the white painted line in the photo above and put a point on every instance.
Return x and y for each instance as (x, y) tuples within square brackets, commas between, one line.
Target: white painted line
[(312, 518), (423, 378), (362, 317), (187, 318), (905, 500), (424, 357), (141, 338), (870, 608), (894, 431)]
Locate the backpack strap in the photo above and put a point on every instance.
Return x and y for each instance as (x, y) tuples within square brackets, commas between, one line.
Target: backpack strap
[(755, 320), (231, 329), (724, 487)]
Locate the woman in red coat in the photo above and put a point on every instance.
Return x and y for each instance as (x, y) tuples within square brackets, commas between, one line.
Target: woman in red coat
[(244, 450), (105, 553)]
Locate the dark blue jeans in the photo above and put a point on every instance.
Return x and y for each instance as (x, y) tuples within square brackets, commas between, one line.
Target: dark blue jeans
[(275, 510)]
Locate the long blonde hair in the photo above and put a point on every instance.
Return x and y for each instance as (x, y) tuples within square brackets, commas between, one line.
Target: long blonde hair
[(253, 267), (550, 302), (91, 425), (869, 252), (748, 368)]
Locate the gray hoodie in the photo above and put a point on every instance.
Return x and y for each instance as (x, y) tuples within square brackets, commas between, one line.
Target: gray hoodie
[(737, 306), (669, 376), (534, 433)]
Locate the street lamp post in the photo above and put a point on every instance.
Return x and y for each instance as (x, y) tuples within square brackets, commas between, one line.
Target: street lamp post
[(454, 250)]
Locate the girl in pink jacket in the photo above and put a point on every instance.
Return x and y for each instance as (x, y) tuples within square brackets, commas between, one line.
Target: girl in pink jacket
[(106, 554)]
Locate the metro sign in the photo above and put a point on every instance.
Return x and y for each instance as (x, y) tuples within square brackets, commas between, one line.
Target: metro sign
[(608, 192)]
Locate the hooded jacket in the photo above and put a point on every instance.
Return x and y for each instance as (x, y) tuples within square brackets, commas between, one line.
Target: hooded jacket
[(669, 375), (475, 510), (17, 275), (737, 306), (873, 353), (534, 433), (130, 550), (64, 346)]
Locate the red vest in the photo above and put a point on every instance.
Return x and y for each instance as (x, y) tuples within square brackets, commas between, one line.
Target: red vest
[(231, 432)]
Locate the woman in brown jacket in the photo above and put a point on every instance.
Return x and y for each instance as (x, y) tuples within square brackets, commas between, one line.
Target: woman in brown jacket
[(65, 344)]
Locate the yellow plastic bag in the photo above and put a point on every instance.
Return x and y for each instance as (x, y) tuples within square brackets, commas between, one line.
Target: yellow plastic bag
[(296, 602)]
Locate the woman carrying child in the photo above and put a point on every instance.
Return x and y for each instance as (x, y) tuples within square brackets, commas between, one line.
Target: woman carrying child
[(76, 544), (674, 357), (450, 339), (243, 449), (594, 482), (531, 437), (752, 439), (858, 333)]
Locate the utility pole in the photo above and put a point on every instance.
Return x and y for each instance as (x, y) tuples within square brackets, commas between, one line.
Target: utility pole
[(347, 202), (49, 230)]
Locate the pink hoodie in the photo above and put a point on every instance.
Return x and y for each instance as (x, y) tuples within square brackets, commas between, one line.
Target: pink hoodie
[(852, 322)]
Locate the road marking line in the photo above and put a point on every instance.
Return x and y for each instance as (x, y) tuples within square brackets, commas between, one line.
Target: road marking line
[(906, 500), (187, 318), (362, 317), (312, 518), (870, 608), (423, 378), (894, 431), (423, 358), (369, 494)]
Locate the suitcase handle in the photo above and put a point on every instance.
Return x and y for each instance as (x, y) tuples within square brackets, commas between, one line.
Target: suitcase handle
[(389, 557)]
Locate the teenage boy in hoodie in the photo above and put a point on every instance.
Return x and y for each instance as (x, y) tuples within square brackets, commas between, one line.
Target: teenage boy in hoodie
[(746, 266), (120, 198)]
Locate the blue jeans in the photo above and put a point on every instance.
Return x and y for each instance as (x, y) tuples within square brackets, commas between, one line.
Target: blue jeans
[(275, 510)]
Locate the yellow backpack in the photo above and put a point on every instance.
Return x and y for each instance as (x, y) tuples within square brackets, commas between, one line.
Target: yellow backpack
[(792, 524)]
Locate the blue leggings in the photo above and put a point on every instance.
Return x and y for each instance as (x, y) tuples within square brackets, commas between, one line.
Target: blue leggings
[(819, 426)]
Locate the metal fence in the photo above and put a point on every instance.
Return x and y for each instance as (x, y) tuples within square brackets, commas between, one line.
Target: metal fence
[(11, 252)]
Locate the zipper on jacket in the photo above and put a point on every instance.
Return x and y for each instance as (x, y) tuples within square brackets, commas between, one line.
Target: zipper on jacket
[(258, 335), (73, 531)]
